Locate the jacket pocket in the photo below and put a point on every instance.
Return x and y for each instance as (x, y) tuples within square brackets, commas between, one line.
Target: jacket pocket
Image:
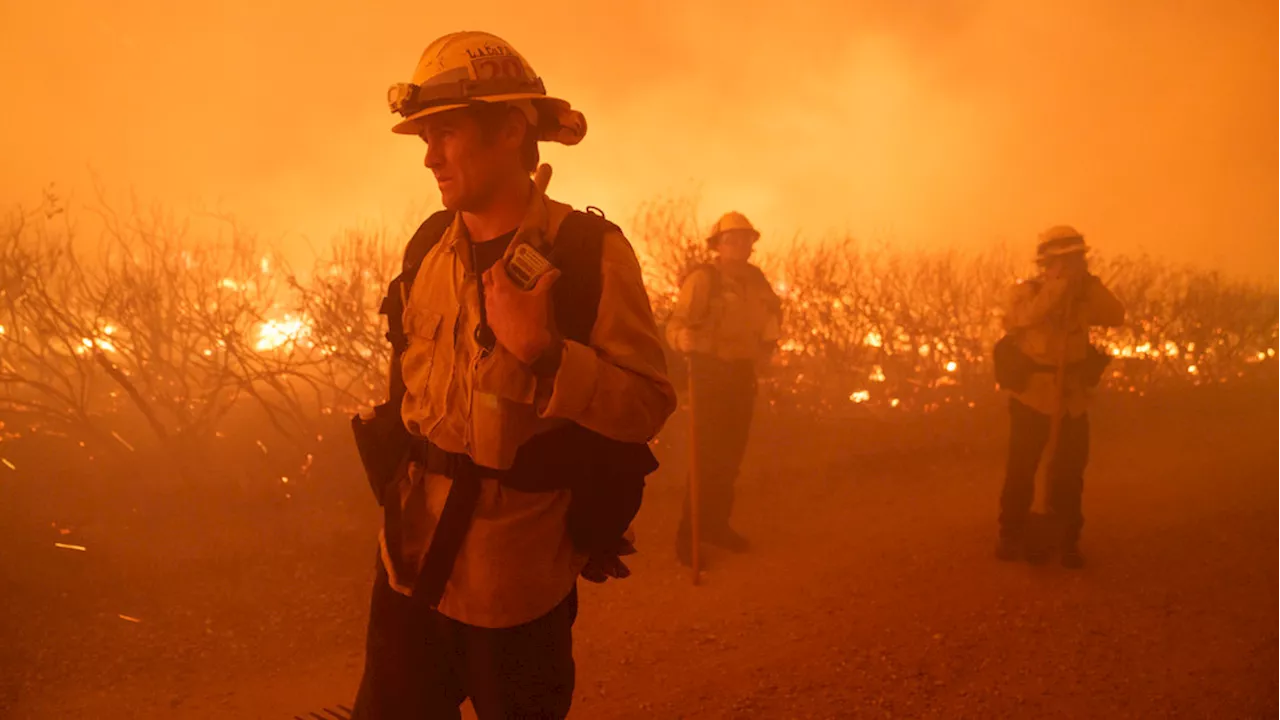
[(422, 327)]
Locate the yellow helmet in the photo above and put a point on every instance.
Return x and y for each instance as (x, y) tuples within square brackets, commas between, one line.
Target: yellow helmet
[(463, 68), (1060, 240), (730, 221)]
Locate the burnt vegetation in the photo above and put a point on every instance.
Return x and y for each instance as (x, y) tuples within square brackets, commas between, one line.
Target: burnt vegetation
[(157, 343)]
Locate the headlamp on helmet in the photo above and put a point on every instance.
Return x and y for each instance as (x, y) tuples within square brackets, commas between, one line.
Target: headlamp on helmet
[(406, 99)]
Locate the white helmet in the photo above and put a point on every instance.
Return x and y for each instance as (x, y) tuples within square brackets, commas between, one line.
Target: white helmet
[(465, 68), (727, 222)]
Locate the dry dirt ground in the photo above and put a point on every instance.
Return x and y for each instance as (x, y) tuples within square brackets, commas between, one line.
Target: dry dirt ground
[(872, 591)]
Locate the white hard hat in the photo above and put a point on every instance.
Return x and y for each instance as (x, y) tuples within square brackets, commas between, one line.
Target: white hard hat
[(1060, 240), (464, 68), (730, 221)]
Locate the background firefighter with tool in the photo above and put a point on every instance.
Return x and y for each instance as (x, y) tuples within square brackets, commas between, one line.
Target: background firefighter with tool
[(527, 379), (1050, 368), (726, 321)]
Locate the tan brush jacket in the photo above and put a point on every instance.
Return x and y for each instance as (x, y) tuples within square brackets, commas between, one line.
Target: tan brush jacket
[(517, 562), (740, 322), (1036, 314)]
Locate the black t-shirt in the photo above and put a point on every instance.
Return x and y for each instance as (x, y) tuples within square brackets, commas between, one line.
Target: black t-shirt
[(490, 251)]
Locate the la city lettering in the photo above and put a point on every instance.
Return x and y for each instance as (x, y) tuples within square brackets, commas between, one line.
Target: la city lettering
[(488, 51)]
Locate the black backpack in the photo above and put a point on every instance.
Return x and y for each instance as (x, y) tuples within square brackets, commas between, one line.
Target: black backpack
[(605, 476)]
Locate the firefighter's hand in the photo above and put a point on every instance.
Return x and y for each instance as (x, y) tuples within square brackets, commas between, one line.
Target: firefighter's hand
[(684, 340), (520, 319), (602, 567)]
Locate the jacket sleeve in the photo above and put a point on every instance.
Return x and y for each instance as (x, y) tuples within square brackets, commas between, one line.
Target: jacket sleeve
[(1102, 307), (693, 306), (617, 385)]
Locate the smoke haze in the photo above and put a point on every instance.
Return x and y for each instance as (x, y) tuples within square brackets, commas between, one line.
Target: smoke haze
[(1150, 125)]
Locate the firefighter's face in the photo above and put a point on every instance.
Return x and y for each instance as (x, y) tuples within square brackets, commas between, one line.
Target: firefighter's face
[(468, 162), (1068, 266), (736, 245)]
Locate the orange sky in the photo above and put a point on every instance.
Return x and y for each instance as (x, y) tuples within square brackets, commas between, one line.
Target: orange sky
[(1150, 124)]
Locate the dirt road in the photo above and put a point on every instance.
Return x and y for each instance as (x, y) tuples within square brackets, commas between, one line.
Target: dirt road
[(872, 592)]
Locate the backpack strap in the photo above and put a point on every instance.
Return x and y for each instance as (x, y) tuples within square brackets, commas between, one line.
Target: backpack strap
[(578, 252), (426, 237)]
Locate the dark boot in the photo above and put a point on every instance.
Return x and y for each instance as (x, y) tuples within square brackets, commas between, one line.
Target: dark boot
[(1071, 557)]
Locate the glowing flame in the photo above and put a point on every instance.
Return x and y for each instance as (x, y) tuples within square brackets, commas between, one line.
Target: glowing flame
[(894, 402), (277, 333), (951, 366), (89, 343), (1193, 370), (860, 396), (873, 339), (877, 374)]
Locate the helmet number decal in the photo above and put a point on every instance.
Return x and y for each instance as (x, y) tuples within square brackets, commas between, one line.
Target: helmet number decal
[(498, 67)]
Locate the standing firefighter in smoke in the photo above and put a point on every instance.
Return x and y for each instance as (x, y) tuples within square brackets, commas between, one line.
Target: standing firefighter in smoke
[(1050, 367), (527, 379), (727, 322)]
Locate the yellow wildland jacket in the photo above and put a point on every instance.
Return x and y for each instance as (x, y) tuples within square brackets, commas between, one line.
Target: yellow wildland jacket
[(516, 562), (1038, 316), (732, 311)]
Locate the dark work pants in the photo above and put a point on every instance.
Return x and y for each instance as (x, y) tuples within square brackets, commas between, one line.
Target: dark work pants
[(421, 665), (724, 399), (1029, 433)]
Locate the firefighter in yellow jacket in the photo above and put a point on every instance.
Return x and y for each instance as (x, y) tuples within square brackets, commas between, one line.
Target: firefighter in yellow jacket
[(1048, 320), (505, 395), (726, 321)]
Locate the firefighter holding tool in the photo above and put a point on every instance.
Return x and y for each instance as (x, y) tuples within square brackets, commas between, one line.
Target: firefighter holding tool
[(726, 321), (527, 379), (1051, 370)]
